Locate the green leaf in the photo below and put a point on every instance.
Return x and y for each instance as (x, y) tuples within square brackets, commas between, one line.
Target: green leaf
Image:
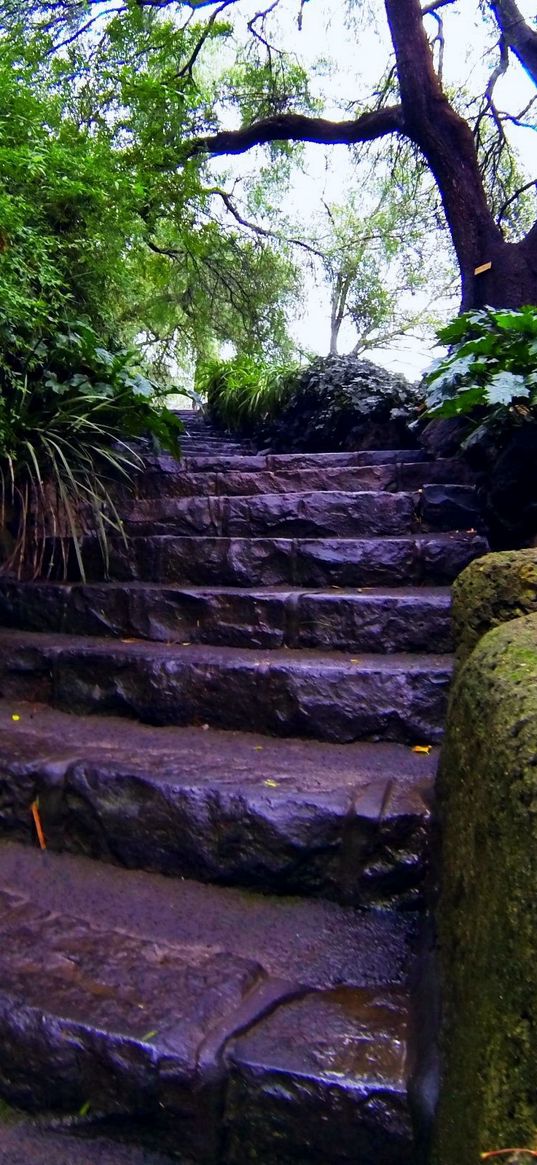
[(505, 387)]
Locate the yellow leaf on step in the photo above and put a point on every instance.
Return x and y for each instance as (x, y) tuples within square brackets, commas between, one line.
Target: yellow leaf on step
[(422, 748)]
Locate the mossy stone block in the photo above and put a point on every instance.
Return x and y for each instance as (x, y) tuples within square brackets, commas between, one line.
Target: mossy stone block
[(488, 905), (491, 591)]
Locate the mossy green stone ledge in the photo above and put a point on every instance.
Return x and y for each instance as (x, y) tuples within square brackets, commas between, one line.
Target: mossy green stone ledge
[(488, 906), (492, 590)]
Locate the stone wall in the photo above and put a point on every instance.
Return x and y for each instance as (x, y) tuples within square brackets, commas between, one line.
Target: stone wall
[(488, 905)]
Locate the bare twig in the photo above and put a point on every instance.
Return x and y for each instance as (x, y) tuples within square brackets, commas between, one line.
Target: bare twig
[(513, 198), (187, 68)]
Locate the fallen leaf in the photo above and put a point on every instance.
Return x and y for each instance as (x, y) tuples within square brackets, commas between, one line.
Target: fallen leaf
[(15, 716), (83, 1111), (259, 747), (38, 825), (148, 1035), (271, 784), (422, 748)]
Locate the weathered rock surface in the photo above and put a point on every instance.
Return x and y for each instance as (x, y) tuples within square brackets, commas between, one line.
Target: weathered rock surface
[(326, 696), (163, 1029), (349, 823), (434, 559), (393, 619), (487, 918), (492, 591), (293, 596)]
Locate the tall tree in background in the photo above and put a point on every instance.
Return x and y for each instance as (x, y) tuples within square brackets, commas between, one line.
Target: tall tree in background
[(181, 121)]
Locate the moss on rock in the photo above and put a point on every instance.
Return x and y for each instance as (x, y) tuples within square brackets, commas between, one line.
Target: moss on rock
[(491, 591), (488, 904)]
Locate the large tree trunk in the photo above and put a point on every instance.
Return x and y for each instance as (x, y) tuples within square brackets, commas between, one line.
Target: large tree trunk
[(511, 281), (447, 143)]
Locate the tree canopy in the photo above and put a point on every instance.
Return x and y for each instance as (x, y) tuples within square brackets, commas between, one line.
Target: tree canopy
[(121, 126)]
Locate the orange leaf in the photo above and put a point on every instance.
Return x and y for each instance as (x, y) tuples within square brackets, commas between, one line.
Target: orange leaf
[(38, 826)]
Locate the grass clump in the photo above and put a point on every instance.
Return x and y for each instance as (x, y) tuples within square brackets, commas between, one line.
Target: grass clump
[(70, 414)]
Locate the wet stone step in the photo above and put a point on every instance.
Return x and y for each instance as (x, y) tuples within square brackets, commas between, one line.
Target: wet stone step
[(45, 1142), (327, 696), (283, 461), (387, 620), (347, 822), (434, 559), (287, 515), (307, 515), (178, 482), (134, 1004)]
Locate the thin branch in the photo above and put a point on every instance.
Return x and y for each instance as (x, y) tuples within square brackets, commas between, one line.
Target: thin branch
[(264, 232), (440, 41), (84, 28), (513, 198), (187, 68)]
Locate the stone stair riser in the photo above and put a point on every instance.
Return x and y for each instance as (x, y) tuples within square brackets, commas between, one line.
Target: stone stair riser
[(361, 622), (365, 847), (314, 515), (239, 482), (340, 701), (301, 562), (285, 461)]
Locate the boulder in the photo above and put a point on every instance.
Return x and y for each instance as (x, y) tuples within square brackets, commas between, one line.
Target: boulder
[(487, 916), (492, 590)]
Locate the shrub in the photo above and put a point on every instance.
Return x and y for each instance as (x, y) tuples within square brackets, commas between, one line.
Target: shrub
[(492, 365), (336, 402), (70, 411)]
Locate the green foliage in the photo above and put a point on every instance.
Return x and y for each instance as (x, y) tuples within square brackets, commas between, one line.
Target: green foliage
[(69, 410), (337, 402), (491, 366), (244, 394)]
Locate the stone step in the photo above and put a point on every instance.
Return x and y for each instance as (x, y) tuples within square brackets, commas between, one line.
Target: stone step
[(226, 1028), (387, 620), (307, 515), (179, 482), (45, 1142), (434, 559), (293, 461), (345, 822), (327, 696)]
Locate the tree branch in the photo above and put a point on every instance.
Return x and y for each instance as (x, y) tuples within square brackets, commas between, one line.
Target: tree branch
[(513, 198), (434, 6), (519, 35), (297, 127), (264, 232), (187, 68)]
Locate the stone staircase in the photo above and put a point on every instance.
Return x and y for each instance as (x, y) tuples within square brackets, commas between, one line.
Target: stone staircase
[(223, 954)]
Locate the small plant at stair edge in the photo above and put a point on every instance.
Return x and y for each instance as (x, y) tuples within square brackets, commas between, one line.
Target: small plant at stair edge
[(70, 411)]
